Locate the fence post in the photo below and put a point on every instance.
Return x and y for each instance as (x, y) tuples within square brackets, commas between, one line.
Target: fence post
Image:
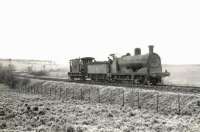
[(157, 102), (24, 89), (111, 97), (42, 89), (66, 93), (50, 91), (132, 99), (179, 106), (35, 89), (60, 93), (138, 95), (55, 92), (89, 95), (30, 89), (18, 88), (39, 90), (73, 94), (81, 94), (27, 89), (123, 103), (99, 95)]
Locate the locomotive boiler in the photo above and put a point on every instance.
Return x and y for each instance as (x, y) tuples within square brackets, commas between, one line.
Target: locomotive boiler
[(135, 68)]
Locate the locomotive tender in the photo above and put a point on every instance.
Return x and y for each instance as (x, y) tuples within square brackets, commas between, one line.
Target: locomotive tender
[(143, 69)]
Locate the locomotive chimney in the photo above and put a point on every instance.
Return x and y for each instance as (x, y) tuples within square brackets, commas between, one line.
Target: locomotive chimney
[(137, 51), (151, 49)]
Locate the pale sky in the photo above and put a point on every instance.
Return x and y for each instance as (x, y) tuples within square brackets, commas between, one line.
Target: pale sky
[(60, 30)]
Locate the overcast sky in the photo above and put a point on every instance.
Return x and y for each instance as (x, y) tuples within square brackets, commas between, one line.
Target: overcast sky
[(61, 30)]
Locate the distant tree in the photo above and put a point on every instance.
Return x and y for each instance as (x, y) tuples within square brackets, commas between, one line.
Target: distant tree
[(7, 75)]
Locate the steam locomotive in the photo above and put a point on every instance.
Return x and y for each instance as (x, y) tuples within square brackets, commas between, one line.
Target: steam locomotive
[(139, 69)]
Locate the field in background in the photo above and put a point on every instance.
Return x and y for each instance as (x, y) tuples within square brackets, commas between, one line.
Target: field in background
[(183, 74), (180, 74)]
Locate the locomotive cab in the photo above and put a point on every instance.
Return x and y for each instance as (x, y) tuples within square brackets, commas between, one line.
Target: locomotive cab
[(78, 68)]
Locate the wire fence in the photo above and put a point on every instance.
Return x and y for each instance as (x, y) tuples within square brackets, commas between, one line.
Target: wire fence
[(135, 99)]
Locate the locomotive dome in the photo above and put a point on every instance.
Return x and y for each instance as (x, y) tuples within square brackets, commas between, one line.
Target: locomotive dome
[(149, 58)]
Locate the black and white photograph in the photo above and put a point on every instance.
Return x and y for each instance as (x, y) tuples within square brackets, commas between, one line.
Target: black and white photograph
[(99, 66)]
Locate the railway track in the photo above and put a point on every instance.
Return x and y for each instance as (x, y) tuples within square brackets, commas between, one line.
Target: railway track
[(169, 88)]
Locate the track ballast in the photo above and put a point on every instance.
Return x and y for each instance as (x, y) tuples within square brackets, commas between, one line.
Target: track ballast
[(163, 87)]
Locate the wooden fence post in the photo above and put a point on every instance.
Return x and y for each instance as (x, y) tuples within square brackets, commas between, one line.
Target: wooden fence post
[(132, 99), (20, 88), (37, 90), (99, 101), (42, 90), (60, 93), (34, 89), (89, 95), (50, 91), (27, 89), (66, 93), (157, 102), (123, 102), (179, 106), (30, 89), (24, 89), (138, 95), (73, 94), (111, 97), (81, 94), (55, 91)]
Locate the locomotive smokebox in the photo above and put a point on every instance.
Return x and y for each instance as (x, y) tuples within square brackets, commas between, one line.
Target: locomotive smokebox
[(151, 49), (137, 51)]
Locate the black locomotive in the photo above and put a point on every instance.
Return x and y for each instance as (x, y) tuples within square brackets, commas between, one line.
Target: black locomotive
[(143, 69)]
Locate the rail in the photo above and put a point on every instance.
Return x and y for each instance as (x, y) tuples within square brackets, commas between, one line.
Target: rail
[(163, 87)]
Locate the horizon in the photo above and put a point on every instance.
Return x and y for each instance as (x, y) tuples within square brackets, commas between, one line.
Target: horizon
[(54, 62)]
